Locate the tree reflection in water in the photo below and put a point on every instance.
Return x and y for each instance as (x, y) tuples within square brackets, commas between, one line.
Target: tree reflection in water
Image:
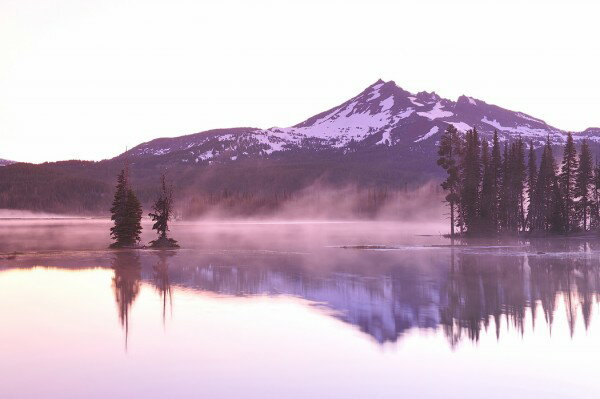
[(387, 293), (126, 284), (161, 281), (480, 289)]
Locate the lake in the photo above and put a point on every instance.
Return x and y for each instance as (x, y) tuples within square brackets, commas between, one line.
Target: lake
[(295, 310)]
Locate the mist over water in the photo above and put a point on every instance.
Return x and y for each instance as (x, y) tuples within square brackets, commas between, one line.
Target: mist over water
[(319, 201), (277, 305), (93, 234)]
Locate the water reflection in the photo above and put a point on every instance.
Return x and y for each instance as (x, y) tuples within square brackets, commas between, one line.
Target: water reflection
[(477, 293), (161, 280), (272, 307), (385, 293), (126, 284)]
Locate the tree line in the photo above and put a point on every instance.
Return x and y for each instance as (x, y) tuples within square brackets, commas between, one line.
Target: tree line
[(495, 189), (43, 188)]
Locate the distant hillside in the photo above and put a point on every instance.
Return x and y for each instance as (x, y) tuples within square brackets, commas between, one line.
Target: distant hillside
[(49, 188)]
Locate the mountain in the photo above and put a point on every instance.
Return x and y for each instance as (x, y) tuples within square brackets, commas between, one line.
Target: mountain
[(382, 139), (4, 162), (382, 115)]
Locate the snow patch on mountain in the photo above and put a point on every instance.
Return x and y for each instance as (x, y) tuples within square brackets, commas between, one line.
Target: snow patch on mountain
[(385, 138), (522, 130), (404, 114), (529, 118), (348, 123), (460, 126), (415, 102), (275, 140), (226, 137), (387, 104), (427, 135), (436, 112), (205, 155), (376, 86)]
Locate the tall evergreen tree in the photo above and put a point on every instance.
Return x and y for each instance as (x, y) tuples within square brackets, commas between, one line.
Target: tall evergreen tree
[(544, 194), (557, 217), (162, 213), (496, 167), (504, 193), (583, 180), (567, 181), (449, 158), (531, 182), (488, 199), (471, 175), (519, 178), (126, 214), (513, 182), (133, 219), (595, 217), (119, 209)]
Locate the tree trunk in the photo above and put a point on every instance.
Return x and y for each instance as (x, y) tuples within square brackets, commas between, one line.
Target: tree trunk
[(585, 216), (452, 220)]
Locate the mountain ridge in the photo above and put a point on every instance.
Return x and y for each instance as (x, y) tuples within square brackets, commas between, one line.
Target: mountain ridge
[(383, 110)]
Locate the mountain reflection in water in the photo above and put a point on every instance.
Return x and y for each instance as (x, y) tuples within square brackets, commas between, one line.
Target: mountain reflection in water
[(383, 293)]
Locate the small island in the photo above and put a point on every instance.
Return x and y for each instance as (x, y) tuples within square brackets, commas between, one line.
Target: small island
[(126, 214)]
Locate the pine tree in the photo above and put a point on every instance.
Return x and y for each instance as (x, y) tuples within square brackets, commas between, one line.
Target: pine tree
[(583, 180), (544, 194), (133, 220), (518, 176), (531, 182), (496, 167), (557, 217), (487, 192), (567, 181), (126, 214), (119, 209), (521, 179), (449, 156), (595, 217), (504, 195), (471, 175), (162, 214)]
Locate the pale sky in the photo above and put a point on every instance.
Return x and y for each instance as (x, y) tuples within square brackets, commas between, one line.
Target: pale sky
[(83, 79)]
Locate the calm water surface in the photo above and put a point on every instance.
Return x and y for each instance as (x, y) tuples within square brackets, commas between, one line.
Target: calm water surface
[(281, 311)]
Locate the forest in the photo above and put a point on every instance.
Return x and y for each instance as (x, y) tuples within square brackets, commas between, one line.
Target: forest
[(244, 188), (495, 189)]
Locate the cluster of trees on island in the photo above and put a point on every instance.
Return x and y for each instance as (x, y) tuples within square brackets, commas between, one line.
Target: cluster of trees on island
[(126, 214), (494, 190)]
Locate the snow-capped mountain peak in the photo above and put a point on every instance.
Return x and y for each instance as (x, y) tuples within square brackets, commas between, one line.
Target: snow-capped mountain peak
[(466, 100), (382, 115)]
